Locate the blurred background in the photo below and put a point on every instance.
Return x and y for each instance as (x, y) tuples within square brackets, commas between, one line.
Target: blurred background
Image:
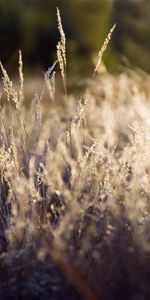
[(31, 25)]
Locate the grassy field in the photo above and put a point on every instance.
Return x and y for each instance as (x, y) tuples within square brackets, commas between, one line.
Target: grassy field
[(74, 187)]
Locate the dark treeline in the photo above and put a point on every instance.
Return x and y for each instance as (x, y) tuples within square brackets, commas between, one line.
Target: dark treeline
[(30, 25)]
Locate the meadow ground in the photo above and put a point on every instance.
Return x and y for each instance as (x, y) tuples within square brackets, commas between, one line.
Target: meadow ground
[(74, 186), (74, 189)]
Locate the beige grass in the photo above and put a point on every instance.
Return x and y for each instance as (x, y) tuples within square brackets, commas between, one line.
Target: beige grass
[(84, 201)]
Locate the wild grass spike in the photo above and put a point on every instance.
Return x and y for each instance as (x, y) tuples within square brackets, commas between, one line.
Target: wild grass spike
[(21, 75), (104, 47), (8, 87), (61, 49)]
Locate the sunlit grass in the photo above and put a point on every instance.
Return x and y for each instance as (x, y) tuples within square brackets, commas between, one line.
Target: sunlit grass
[(75, 185)]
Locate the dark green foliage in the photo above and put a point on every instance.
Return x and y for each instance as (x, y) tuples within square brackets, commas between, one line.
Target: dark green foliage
[(131, 38), (32, 27)]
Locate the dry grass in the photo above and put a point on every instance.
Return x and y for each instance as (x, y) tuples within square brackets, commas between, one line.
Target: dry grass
[(76, 201)]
